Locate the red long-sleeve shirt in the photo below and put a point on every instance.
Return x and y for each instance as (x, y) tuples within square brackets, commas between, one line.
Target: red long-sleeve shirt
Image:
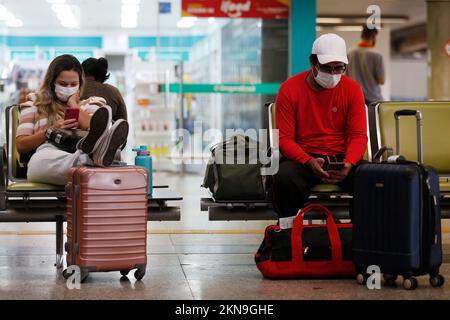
[(331, 122)]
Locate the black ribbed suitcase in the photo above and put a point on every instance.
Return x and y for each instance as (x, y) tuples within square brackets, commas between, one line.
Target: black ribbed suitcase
[(396, 218)]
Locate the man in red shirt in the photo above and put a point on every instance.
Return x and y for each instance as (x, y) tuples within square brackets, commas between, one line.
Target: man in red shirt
[(321, 117)]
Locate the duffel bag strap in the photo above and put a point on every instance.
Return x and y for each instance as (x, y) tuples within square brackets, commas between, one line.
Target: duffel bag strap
[(297, 230)]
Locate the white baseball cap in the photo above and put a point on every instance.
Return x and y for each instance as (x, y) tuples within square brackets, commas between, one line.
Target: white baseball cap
[(330, 47)]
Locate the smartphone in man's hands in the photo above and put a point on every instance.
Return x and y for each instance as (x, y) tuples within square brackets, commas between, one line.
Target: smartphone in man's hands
[(335, 166), (71, 113)]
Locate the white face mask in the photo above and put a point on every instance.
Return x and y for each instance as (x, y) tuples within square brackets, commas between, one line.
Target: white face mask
[(64, 93), (327, 80)]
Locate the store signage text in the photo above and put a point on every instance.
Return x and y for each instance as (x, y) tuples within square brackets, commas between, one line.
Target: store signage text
[(234, 10), (225, 88), (265, 9)]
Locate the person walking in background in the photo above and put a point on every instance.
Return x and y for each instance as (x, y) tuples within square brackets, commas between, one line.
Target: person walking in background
[(96, 73), (366, 66)]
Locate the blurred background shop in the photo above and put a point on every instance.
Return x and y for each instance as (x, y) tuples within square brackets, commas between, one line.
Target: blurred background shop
[(202, 65)]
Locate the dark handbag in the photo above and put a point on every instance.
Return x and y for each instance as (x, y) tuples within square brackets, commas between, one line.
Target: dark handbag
[(65, 139), (239, 180), (307, 251)]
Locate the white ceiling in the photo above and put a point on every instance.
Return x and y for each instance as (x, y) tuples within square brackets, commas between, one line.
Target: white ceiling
[(414, 9), (98, 16), (103, 16)]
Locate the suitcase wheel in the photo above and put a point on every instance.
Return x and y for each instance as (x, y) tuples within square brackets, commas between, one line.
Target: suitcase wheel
[(361, 278), (390, 279), (124, 272), (437, 281), (139, 273), (410, 283), (84, 275)]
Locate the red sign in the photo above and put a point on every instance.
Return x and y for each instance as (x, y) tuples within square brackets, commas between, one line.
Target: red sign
[(265, 9)]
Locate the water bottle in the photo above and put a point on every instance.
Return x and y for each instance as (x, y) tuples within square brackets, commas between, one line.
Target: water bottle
[(144, 159)]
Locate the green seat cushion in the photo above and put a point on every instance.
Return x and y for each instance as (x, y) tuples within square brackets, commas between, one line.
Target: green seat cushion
[(436, 131), (444, 186), (33, 186), (326, 188)]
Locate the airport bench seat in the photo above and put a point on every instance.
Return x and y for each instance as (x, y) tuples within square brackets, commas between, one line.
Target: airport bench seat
[(332, 195), (32, 186), (24, 201), (436, 153)]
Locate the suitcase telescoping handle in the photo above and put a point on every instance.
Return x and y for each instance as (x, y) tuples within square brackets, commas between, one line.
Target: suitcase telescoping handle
[(418, 116)]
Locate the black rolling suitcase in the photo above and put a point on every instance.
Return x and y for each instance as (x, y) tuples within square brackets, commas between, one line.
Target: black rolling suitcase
[(396, 217)]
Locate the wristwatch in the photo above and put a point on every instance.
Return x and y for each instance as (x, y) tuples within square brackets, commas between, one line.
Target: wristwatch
[(48, 133)]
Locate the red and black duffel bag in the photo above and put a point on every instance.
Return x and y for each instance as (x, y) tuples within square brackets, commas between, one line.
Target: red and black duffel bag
[(307, 251)]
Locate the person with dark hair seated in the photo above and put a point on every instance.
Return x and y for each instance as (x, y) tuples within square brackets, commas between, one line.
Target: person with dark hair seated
[(321, 117), (96, 73)]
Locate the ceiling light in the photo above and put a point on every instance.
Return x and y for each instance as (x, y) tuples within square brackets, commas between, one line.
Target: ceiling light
[(343, 28), (3, 11), (186, 22), (65, 13), (329, 20), (348, 28), (130, 12), (9, 18), (358, 19)]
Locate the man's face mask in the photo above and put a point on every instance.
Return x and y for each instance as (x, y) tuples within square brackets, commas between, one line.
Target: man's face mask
[(327, 80), (64, 93)]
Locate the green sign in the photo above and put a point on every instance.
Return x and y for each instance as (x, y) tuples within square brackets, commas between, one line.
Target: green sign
[(225, 88)]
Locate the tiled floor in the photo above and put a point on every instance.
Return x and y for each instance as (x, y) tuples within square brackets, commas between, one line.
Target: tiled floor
[(184, 262)]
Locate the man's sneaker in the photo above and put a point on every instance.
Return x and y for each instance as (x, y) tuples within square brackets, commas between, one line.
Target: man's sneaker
[(114, 138), (100, 123)]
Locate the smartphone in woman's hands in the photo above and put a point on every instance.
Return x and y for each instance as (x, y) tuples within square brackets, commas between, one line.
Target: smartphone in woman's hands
[(71, 113)]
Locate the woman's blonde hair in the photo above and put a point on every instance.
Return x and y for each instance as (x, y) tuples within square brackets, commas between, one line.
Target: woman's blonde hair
[(47, 103)]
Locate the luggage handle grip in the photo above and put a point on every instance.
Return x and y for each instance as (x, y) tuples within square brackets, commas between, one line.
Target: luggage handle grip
[(296, 239), (408, 112), (418, 115)]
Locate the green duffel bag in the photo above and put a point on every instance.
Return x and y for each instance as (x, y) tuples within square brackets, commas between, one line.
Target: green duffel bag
[(234, 171)]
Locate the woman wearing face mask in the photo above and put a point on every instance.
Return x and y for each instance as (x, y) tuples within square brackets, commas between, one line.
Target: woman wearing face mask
[(45, 110)]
